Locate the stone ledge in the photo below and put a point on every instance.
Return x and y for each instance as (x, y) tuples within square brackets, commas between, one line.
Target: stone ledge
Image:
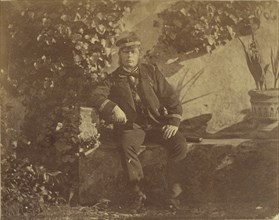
[(215, 170)]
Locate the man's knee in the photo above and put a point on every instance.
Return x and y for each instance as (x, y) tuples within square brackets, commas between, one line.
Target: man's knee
[(178, 147), (128, 148), (131, 140)]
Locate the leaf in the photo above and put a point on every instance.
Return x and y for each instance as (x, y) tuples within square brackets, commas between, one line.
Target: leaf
[(231, 32), (94, 39), (249, 61), (64, 17), (101, 29), (77, 17), (208, 49), (172, 35), (103, 42), (177, 23), (183, 11), (44, 191), (54, 173), (31, 14), (46, 177), (100, 16), (211, 40), (93, 24), (46, 21), (170, 61), (127, 9), (266, 68), (275, 62), (107, 51), (272, 61), (76, 37), (36, 65), (59, 126), (39, 37)]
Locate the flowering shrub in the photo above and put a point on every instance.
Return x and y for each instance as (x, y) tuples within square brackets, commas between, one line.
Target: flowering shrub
[(204, 25)]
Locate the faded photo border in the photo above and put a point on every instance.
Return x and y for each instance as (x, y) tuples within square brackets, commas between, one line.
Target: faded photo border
[(59, 158)]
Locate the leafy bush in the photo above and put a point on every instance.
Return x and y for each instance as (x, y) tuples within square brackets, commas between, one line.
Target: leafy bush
[(58, 51), (26, 187), (204, 25)]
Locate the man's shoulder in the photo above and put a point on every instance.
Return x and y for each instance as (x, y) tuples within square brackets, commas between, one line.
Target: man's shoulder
[(116, 71), (115, 74), (149, 67)]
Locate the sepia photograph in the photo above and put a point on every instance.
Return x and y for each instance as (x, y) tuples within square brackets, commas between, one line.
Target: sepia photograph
[(139, 109)]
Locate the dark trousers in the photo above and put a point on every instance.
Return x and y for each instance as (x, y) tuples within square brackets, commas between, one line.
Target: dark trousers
[(131, 140)]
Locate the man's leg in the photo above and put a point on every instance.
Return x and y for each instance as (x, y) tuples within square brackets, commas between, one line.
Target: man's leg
[(130, 142), (177, 150)]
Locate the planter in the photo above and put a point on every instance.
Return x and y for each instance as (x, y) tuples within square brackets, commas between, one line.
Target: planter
[(265, 106)]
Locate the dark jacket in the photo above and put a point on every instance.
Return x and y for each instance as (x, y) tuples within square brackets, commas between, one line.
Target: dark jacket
[(156, 93)]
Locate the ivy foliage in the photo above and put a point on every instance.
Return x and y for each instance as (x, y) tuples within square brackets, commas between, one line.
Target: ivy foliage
[(202, 26), (26, 187), (58, 52)]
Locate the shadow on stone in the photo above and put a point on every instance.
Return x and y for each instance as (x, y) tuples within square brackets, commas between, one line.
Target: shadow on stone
[(168, 58), (195, 126), (214, 172), (249, 128), (226, 174)]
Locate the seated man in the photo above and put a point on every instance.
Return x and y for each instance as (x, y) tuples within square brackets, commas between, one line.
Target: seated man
[(140, 102)]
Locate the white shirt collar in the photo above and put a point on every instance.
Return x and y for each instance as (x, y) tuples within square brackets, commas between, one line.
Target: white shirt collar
[(130, 71)]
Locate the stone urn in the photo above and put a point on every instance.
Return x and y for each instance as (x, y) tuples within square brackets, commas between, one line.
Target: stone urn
[(89, 136), (265, 107)]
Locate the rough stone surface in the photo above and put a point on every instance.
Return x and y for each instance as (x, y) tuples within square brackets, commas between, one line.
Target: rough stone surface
[(215, 171)]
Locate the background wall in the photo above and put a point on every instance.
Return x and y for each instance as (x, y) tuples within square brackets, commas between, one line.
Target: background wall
[(221, 91)]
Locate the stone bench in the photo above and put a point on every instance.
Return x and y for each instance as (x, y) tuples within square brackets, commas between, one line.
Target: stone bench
[(215, 170)]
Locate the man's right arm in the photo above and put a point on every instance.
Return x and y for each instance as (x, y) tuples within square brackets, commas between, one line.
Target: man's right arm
[(100, 101), (107, 109)]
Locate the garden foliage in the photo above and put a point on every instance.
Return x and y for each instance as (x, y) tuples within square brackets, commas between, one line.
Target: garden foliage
[(58, 51), (202, 26)]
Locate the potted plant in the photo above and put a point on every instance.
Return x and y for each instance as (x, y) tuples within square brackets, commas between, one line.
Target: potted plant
[(264, 100)]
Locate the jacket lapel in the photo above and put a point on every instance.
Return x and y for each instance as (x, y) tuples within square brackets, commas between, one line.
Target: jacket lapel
[(125, 91), (147, 92)]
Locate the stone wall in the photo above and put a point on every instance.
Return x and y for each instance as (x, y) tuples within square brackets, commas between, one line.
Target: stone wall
[(226, 171)]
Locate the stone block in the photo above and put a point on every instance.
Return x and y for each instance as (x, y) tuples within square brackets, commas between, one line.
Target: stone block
[(214, 171)]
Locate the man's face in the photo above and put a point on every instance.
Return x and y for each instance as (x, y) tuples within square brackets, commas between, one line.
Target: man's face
[(129, 57)]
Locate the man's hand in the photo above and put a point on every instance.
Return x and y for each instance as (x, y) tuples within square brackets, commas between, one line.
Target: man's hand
[(118, 115), (169, 131)]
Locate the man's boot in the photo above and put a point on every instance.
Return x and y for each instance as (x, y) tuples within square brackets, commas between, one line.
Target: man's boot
[(138, 203), (173, 201)]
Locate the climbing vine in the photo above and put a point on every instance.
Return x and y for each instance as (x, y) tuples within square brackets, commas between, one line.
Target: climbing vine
[(202, 26), (58, 52)]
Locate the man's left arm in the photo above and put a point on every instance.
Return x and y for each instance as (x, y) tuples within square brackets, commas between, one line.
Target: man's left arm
[(170, 100)]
